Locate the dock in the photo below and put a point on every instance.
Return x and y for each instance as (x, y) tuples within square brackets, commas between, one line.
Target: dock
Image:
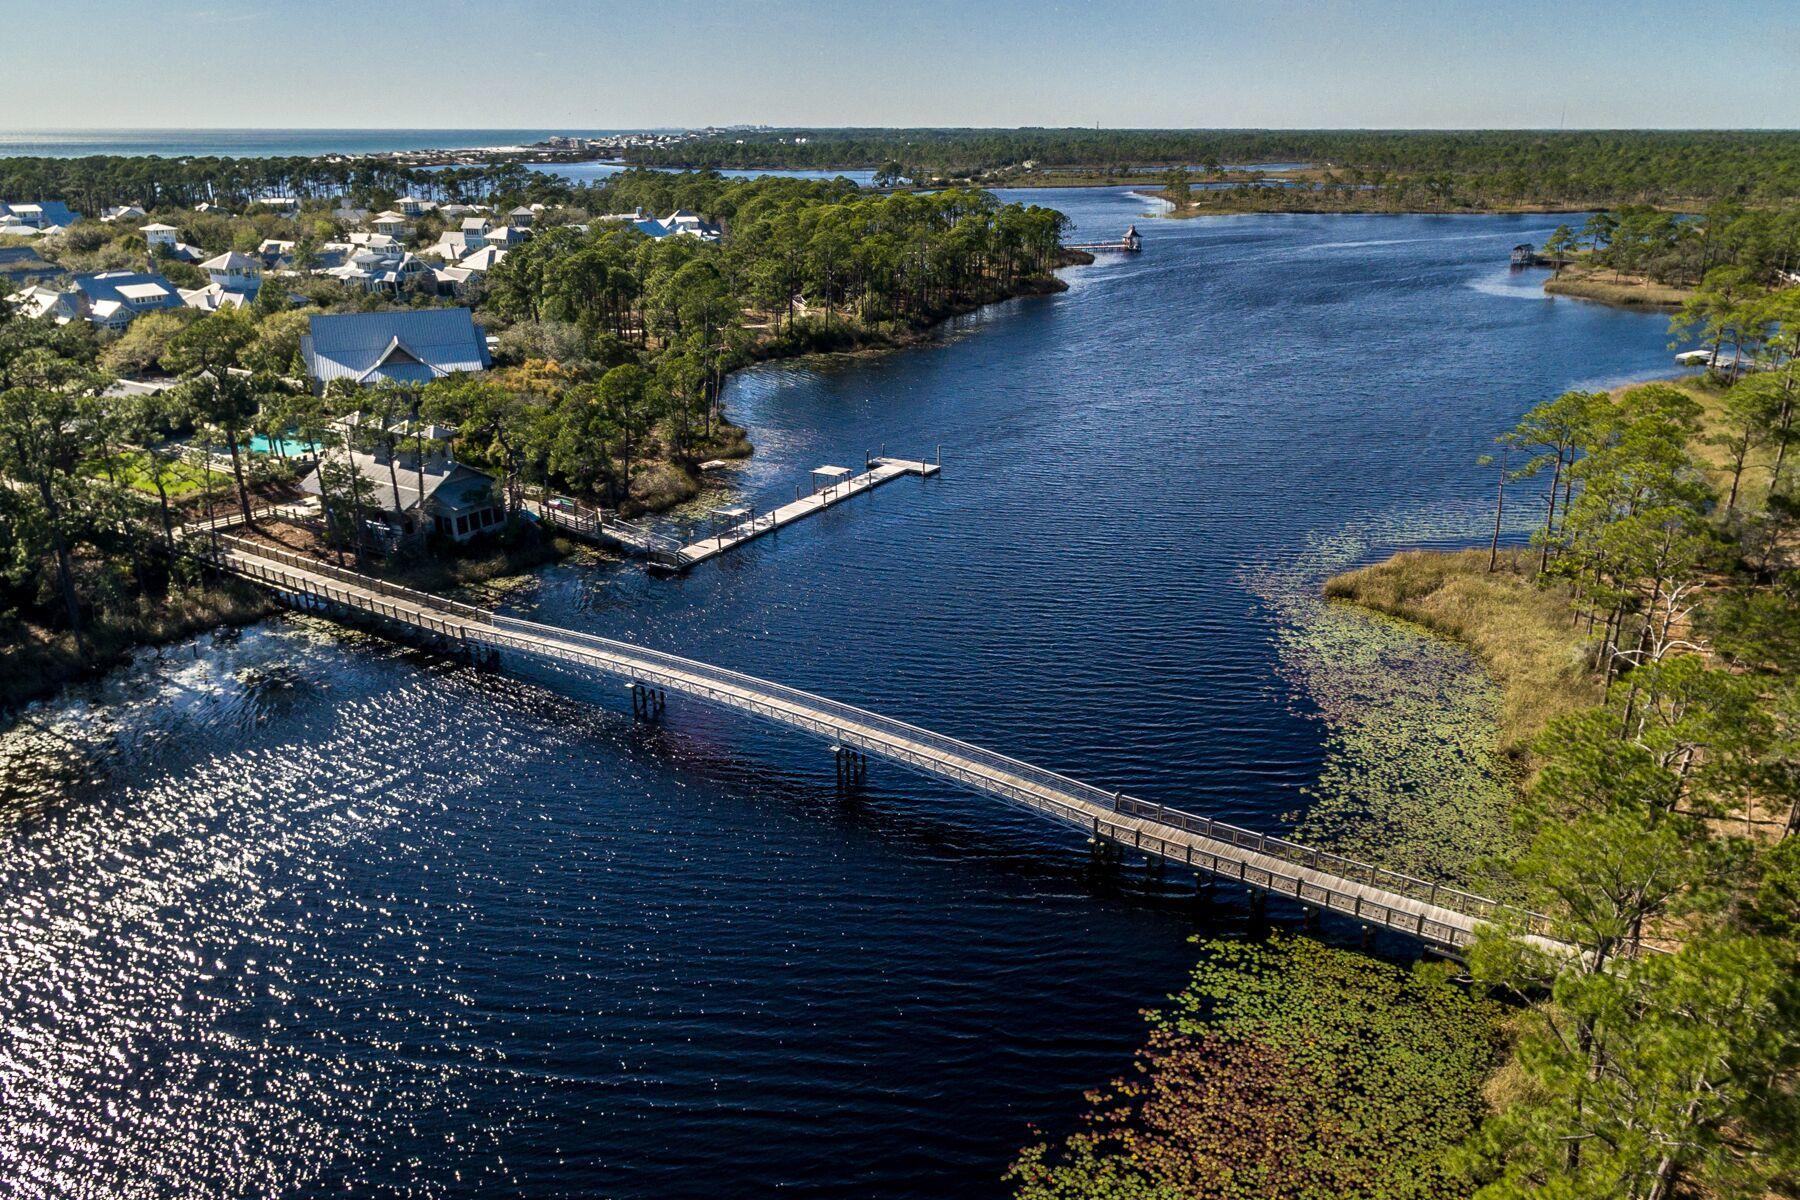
[(598, 525), (831, 485)]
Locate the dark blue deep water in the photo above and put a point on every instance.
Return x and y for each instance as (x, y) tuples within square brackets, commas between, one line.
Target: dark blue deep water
[(326, 916)]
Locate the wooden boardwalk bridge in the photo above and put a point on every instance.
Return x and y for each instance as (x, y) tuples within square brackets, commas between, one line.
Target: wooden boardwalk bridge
[(1436, 914)]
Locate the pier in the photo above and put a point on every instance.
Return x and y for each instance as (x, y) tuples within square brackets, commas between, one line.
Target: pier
[(732, 525), (1114, 823), (831, 485), (1131, 243)]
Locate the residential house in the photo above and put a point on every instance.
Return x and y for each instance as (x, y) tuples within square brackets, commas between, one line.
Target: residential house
[(43, 215), (409, 346), (275, 254), (681, 222), (415, 206), (420, 481), (235, 280), (474, 231), (524, 214), (37, 300), (392, 224), (504, 237), (451, 246), (167, 239), (124, 212), (109, 299), (386, 270), (484, 259)]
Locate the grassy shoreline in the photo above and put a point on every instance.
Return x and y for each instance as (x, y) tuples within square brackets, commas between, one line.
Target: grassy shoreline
[(1624, 291), (1520, 632)]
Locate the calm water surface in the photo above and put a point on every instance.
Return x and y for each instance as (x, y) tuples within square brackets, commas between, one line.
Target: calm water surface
[(294, 912)]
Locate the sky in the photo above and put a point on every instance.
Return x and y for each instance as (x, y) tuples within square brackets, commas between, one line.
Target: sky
[(601, 64)]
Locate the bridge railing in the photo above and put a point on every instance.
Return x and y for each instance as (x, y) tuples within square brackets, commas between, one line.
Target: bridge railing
[(843, 716), (1001, 774), (315, 566)]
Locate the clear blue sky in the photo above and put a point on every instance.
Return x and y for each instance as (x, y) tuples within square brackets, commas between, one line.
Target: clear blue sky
[(1178, 63)]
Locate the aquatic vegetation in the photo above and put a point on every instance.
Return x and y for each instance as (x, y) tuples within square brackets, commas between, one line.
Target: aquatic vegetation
[(1285, 1069), (1413, 775)]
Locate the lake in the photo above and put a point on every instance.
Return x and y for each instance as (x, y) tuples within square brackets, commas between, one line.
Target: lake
[(293, 911)]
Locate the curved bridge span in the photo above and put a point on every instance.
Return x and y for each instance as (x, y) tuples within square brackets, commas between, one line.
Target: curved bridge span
[(1438, 915)]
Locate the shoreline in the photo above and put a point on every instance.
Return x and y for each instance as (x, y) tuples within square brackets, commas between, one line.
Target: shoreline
[(51, 664)]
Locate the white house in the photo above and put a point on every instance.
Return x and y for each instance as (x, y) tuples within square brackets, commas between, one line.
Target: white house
[(391, 223), (42, 215), (235, 280), (123, 212), (157, 235)]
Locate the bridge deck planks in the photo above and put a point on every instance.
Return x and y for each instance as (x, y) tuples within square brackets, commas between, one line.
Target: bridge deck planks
[(1065, 800), (880, 471)]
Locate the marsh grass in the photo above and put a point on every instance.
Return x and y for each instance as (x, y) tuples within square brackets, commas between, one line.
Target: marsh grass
[(1520, 631), (1609, 287)]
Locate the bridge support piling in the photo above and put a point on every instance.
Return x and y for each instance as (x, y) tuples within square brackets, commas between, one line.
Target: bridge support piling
[(1368, 936), (646, 701), (852, 767)]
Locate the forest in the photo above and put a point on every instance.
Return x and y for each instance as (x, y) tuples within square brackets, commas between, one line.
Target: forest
[(612, 350), (1598, 168)]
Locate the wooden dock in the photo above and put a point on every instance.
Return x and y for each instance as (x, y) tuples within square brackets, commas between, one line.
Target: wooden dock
[(1373, 896), (876, 471)]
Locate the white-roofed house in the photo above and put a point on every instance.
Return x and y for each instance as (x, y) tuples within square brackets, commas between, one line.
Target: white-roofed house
[(167, 239), (390, 223), (113, 299)]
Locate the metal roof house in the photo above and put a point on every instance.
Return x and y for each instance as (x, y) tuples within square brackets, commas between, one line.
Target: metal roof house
[(113, 299), (45, 214), (411, 346), (458, 502)]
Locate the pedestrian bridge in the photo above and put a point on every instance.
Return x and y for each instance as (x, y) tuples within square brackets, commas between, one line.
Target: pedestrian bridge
[(1436, 914)]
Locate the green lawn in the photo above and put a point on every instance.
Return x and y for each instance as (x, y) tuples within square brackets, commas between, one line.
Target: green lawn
[(134, 469)]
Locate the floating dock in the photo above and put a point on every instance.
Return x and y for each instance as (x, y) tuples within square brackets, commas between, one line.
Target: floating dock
[(839, 485)]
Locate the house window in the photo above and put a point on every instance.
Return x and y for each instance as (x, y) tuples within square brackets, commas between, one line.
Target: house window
[(462, 525)]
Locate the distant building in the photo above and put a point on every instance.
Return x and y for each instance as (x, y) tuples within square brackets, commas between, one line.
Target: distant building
[(407, 487), (415, 206), (390, 223), (167, 238), (287, 206), (109, 299), (681, 222), (40, 215), (123, 212), (275, 254), (392, 271), (504, 237), (408, 346), (524, 214), (484, 259)]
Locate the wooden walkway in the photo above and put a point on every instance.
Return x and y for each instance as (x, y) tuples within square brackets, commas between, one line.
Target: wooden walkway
[(877, 471), (1441, 916)]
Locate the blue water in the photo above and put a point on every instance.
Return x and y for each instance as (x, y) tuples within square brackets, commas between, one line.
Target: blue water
[(264, 143), (320, 915), (593, 172), (289, 447)]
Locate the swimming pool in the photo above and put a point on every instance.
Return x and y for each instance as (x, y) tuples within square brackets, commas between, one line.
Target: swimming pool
[(288, 447)]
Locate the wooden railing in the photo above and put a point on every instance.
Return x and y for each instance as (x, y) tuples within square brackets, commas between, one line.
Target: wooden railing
[(1425, 909)]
